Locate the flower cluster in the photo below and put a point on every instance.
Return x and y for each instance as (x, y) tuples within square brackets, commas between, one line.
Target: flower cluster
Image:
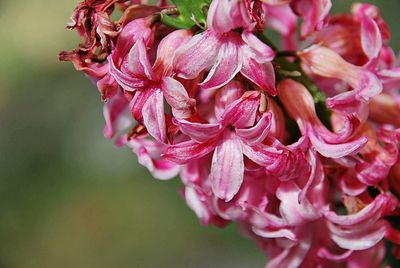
[(297, 144)]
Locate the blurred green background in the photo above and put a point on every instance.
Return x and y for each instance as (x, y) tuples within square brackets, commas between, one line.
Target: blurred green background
[(68, 197)]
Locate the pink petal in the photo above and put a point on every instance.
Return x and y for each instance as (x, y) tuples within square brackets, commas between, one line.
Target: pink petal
[(261, 74), (197, 203), (227, 63), (197, 131), (166, 51), (135, 71), (336, 150), (373, 210), (219, 17), (186, 151), (286, 233), (197, 55), (137, 103), (261, 154), (356, 238), (255, 135), (291, 209), (262, 53), (371, 39), (148, 153), (154, 117), (227, 167), (242, 112), (114, 115), (176, 96)]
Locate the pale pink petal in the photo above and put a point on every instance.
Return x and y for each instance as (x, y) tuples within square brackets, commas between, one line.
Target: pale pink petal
[(227, 168), (371, 39), (292, 257), (219, 17), (242, 112), (336, 150), (115, 116), (262, 154), (291, 209), (196, 202), (166, 51), (137, 103), (197, 55), (135, 71), (262, 53), (261, 74), (148, 153), (186, 151), (278, 233), (197, 131), (255, 135), (176, 96), (227, 63), (380, 204), (154, 117), (356, 238)]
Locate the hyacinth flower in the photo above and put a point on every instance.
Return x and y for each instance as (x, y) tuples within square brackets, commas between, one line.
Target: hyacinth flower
[(297, 144), (226, 48)]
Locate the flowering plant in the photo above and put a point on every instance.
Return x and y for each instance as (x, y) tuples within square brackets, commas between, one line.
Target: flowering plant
[(297, 144)]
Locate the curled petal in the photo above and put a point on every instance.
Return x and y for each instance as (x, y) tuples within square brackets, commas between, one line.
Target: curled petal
[(262, 74), (186, 151), (227, 168), (291, 209), (197, 131), (285, 233), (166, 51), (356, 238), (381, 204), (176, 96), (148, 153), (255, 135), (242, 112), (135, 71), (336, 150), (261, 52), (371, 40), (314, 12), (262, 154), (327, 63)]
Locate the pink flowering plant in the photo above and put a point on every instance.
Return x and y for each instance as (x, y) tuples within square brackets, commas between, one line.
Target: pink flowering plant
[(298, 143)]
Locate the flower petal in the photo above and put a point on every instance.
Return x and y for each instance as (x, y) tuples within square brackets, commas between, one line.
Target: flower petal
[(176, 96), (227, 168), (186, 151), (227, 63), (154, 117), (202, 49), (255, 135), (197, 131)]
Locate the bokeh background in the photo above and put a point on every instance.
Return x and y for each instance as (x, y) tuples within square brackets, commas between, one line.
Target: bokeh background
[(68, 197)]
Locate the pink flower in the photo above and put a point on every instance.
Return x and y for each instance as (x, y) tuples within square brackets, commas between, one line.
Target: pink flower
[(224, 51), (131, 67), (229, 138)]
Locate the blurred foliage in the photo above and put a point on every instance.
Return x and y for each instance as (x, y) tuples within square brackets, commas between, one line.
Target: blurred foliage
[(68, 197)]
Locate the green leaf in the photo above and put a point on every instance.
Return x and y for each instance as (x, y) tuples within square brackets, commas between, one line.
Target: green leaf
[(191, 13)]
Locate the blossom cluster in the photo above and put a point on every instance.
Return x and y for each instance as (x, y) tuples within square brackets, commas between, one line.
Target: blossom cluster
[(297, 143)]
